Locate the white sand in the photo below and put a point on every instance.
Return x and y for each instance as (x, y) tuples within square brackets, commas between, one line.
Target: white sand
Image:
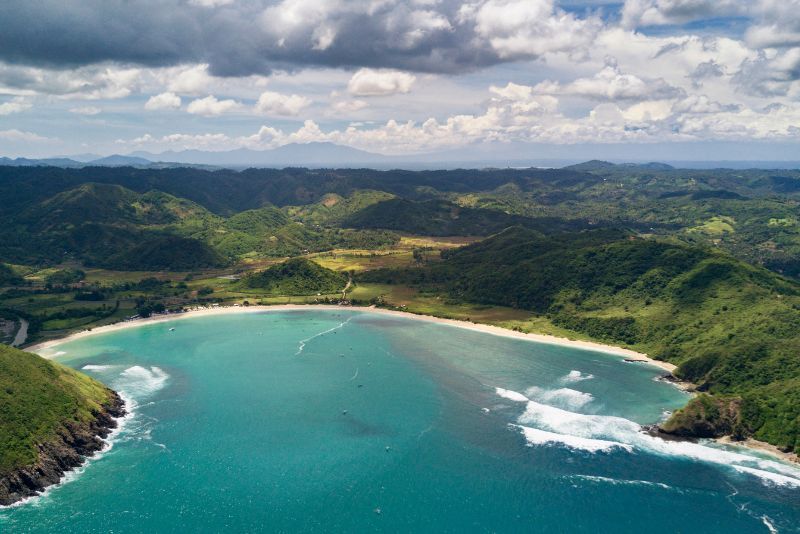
[(488, 329)]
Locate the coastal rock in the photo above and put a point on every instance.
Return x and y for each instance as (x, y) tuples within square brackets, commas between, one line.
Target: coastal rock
[(68, 450), (707, 416)]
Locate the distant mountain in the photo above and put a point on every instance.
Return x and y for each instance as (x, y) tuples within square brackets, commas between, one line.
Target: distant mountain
[(653, 166), (119, 161), (593, 165), (599, 165), (47, 162), (292, 155)]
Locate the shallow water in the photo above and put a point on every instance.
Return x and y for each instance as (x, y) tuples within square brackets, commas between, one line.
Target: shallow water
[(351, 421)]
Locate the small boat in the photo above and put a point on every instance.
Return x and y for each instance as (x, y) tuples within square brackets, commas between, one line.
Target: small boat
[(171, 329)]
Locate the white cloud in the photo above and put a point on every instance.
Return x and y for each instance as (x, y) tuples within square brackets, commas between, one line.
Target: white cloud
[(637, 13), (702, 104), (529, 28), (15, 105), (210, 106), (210, 3), (611, 84), (272, 103), (192, 80), (344, 107), (168, 100), (371, 82), (86, 110), (28, 137)]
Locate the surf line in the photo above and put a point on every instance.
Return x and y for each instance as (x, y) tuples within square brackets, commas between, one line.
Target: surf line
[(303, 342)]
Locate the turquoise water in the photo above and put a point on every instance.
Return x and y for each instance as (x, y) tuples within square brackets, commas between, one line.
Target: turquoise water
[(328, 421)]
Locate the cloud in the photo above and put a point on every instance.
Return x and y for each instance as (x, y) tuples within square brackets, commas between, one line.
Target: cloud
[(210, 106), (260, 36), (636, 13), (168, 100), (611, 84), (86, 110), (189, 80), (210, 3), (28, 137), (770, 75), (272, 103), (702, 104), (527, 28), (370, 82), (94, 82), (15, 105), (343, 107)]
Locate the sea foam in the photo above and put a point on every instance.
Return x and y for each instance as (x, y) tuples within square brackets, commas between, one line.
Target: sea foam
[(575, 376), (534, 436), (556, 425), (563, 397), (138, 381), (96, 368)]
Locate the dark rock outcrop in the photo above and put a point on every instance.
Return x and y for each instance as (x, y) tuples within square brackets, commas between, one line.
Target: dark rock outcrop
[(707, 416), (68, 450)]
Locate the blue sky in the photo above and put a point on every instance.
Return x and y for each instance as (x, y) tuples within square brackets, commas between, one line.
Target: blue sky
[(402, 77)]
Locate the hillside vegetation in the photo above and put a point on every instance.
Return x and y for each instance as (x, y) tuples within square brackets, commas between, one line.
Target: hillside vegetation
[(732, 328), (37, 399), (56, 213), (297, 276)]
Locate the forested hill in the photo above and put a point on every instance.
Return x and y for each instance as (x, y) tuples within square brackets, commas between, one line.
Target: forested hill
[(732, 328), (752, 214)]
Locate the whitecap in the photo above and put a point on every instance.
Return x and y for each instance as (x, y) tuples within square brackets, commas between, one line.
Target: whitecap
[(575, 376), (769, 478), (511, 395), (620, 430), (562, 397), (620, 482), (96, 368), (138, 381), (534, 436)]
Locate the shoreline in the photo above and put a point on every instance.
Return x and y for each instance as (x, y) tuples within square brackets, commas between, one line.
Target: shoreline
[(631, 356), (75, 445), (760, 446)]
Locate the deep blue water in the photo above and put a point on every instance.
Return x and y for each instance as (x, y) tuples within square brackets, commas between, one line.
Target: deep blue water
[(327, 421)]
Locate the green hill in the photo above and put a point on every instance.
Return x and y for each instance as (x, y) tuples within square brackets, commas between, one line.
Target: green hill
[(732, 328), (333, 208), (297, 276), (442, 218), (49, 417)]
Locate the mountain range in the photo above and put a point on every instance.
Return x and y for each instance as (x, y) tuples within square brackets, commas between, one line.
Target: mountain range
[(330, 155)]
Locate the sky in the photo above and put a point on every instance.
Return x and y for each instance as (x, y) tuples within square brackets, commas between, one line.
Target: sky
[(680, 79)]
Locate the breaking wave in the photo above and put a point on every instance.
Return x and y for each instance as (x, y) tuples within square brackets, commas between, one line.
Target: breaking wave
[(593, 433), (138, 382), (562, 397), (534, 436), (96, 368), (575, 376)]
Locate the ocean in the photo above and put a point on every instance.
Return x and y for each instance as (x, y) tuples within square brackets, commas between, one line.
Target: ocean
[(352, 421)]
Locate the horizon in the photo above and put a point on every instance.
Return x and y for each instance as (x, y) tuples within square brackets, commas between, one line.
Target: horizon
[(561, 80)]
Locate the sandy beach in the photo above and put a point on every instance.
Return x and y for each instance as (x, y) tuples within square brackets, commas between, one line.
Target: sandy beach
[(637, 357), (478, 327)]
